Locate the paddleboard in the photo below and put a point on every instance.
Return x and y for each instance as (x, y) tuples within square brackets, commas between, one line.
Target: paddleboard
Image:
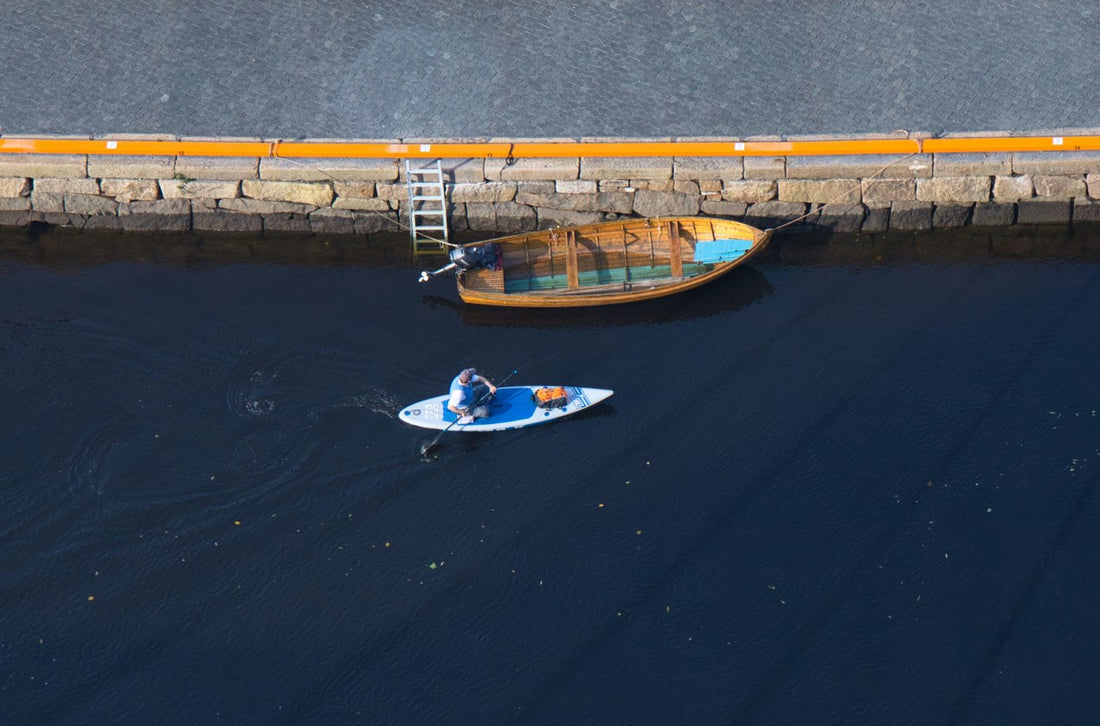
[(512, 408)]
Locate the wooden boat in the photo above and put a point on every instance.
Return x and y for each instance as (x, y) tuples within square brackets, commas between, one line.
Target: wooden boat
[(601, 264)]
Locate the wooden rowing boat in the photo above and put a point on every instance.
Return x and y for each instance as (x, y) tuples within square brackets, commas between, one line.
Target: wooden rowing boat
[(601, 264)]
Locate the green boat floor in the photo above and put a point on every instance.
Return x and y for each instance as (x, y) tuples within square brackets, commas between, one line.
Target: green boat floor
[(601, 277)]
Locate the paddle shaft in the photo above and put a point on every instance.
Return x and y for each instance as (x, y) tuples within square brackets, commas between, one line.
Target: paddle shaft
[(472, 406)]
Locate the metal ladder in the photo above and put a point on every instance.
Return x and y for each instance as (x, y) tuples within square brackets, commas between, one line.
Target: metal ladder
[(427, 208)]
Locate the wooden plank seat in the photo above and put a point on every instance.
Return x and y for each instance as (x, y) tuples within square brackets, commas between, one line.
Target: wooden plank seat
[(484, 280), (675, 257), (572, 269)]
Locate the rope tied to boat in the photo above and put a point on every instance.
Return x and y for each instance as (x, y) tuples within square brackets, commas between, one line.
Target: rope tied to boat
[(847, 193)]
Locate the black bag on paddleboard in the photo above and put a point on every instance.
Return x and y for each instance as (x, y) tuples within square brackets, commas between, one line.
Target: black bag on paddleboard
[(550, 397)]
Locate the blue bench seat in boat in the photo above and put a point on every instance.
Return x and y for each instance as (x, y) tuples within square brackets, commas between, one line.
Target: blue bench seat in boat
[(721, 250)]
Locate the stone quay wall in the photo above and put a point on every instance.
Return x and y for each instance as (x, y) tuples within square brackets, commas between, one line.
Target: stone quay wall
[(496, 196)]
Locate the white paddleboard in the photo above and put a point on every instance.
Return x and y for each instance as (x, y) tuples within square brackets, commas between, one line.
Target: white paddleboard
[(512, 408)]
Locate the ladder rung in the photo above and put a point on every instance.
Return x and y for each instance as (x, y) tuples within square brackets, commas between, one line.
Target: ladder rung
[(427, 202)]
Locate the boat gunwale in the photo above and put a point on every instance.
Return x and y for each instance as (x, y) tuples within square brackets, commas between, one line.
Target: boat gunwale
[(611, 293)]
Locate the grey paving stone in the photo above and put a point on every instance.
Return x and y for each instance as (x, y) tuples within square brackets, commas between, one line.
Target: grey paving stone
[(1039, 212), (877, 220), (951, 215), (102, 222), (911, 216), (154, 222), (1086, 211), (841, 217), (16, 218), (215, 221), (290, 222), (474, 69), (993, 214), (773, 213)]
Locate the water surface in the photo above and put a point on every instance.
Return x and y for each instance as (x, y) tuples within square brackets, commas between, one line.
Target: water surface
[(853, 482)]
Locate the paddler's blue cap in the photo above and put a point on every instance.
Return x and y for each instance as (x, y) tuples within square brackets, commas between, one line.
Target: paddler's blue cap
[(466, 374)]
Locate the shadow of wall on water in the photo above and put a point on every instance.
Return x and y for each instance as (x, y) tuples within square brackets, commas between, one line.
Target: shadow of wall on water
[(62, 248), (740, 288), (1080, 242)]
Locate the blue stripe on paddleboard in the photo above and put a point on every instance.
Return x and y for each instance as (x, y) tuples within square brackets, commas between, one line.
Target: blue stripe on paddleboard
[(721, 250), (507, 405)]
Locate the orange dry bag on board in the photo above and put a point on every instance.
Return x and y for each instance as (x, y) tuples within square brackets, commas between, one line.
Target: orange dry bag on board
[(550, 397)]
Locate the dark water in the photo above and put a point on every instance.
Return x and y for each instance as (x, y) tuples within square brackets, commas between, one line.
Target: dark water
[(853, 483)]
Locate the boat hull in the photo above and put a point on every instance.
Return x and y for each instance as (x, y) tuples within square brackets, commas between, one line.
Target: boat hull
[(611, 263)]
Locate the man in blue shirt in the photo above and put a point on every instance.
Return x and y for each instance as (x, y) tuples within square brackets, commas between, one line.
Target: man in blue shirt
[(469, 388)]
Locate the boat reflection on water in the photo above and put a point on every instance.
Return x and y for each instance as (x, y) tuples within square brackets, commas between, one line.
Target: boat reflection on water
[(739, 288)]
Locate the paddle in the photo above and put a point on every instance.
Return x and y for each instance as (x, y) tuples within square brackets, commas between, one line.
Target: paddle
[(475, 404)]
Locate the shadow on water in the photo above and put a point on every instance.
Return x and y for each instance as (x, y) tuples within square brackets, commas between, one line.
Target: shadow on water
[(464, 442), (68, 249), (1080, 242), (743, 286)]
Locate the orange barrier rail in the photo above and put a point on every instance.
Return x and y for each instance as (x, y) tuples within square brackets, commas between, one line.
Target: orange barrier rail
[(1023, 143), (531, 149)]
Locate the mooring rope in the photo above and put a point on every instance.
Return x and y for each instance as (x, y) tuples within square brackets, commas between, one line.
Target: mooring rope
[(845, 194), (395, 219)]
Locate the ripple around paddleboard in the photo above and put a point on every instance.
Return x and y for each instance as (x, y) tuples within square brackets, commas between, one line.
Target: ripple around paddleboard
[(768, 485), (103, 457)]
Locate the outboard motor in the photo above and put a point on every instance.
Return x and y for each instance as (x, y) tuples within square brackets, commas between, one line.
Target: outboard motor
[(473, 257)]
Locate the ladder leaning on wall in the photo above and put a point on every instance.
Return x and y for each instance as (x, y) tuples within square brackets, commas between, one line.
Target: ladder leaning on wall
[(427, 208)]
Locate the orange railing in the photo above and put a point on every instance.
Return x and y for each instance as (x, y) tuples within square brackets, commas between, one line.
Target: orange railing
[(536, 149)]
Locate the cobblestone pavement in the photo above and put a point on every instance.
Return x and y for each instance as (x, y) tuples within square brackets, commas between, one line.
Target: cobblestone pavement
[(515, 68)]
